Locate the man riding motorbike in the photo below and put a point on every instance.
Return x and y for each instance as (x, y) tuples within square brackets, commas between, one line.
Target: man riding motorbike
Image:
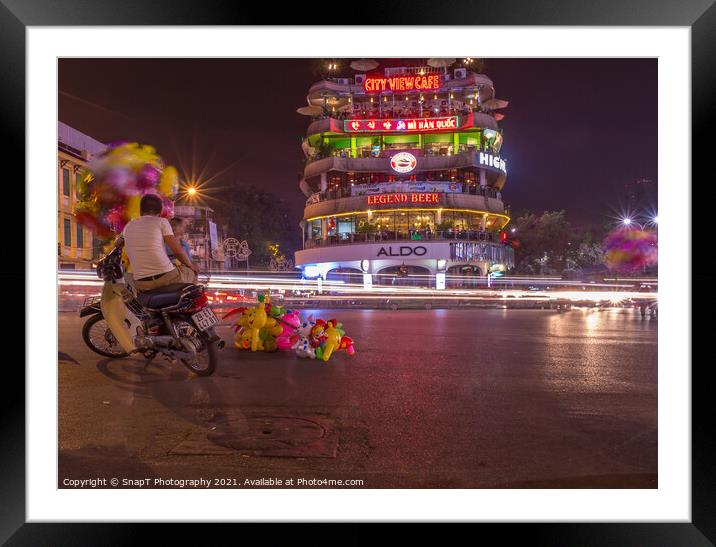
[(174, 318), (144, 239)]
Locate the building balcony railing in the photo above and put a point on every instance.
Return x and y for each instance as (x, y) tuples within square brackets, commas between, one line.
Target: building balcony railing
[(479, 203), (472, 190), (463, 159), (442, 151), (413, 235), (191, 211), (333, 122)]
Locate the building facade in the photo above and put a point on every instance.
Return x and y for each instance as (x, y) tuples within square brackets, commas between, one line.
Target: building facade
[(203, 235), (76, 246), (403, 173)]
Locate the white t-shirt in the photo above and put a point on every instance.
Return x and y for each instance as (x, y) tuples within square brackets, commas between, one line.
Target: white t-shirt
[(144, 243)]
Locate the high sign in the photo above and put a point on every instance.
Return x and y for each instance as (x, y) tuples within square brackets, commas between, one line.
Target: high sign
[(386, 199), (493, 161), (446, 123), (376, 84)]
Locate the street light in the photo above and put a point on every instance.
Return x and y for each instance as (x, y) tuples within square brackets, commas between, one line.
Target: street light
[(191, 190), (629, 222)]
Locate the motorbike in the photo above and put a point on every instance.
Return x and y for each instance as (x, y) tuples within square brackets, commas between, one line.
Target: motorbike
[(174, 321)]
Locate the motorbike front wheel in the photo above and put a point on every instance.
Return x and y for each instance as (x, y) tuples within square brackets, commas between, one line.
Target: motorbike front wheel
[(99, 338)]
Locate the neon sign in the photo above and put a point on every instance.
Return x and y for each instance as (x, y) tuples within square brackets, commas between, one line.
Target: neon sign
[(492, 161), (376, 84), (403, 162), (446, 123), (386, 199)]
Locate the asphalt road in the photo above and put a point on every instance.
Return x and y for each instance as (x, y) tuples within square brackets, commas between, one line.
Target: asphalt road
[(431, 399)]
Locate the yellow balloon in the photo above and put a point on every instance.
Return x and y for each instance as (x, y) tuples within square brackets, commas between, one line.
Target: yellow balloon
[(168, 180), (132, 210)]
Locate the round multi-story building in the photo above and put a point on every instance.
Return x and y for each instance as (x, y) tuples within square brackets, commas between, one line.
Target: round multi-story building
[(404, 175)]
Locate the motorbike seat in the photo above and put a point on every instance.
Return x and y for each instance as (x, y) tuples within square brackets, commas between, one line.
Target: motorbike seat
[(163, 297)]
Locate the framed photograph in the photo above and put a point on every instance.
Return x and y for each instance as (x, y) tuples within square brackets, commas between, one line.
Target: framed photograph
[(351, 274)]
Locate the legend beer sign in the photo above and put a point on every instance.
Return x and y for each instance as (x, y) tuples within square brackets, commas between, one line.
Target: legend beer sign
[(393, 199), (445, 123)]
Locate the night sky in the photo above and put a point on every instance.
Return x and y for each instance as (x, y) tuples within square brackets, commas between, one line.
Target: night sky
[(576, 130)]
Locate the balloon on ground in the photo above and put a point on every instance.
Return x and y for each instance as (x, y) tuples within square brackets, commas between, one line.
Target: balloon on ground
[(268, 327)]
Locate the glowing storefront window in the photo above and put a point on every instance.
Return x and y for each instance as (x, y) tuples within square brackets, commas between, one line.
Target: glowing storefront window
[(345, 227), (414, 224), (315, 228)]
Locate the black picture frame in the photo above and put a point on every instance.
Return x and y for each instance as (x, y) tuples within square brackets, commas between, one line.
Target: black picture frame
[(699, 15)]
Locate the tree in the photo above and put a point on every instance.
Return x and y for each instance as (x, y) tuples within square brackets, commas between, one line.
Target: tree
[(542, 244), (259, 217)]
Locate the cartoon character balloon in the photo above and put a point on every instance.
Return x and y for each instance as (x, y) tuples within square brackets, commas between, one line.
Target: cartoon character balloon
[(290, 321), (302, 344), (259, 328), (268, 327), (320, 339)]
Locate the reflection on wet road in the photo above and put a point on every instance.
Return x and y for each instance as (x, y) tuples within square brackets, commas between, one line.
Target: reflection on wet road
[(441, 398)]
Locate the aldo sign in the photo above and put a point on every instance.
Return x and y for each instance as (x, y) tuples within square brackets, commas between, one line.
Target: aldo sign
[(402, 251)]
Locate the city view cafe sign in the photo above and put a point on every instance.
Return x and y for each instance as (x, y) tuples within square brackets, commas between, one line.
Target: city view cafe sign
[(418, 82)]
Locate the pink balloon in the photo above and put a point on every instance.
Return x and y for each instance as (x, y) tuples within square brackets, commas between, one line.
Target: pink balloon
[(148, 178), (167, 208)]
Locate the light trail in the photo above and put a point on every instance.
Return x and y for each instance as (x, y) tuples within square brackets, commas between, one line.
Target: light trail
[(221, 286), (505, 280)]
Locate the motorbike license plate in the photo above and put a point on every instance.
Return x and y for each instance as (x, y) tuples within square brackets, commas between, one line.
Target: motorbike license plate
[(205, 319)]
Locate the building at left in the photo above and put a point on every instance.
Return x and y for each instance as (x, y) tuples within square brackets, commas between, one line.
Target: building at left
[(76, 245)]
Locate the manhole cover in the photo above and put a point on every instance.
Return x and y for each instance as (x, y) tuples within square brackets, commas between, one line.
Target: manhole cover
[(287, 436)]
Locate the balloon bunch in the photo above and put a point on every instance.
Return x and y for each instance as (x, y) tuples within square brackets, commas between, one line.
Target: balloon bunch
[(630, 250), (267, 327), (112, 185), (318, 339), (264, 327)]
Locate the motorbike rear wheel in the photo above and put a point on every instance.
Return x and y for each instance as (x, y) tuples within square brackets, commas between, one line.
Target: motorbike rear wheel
[(99, 338), (206, 359)]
